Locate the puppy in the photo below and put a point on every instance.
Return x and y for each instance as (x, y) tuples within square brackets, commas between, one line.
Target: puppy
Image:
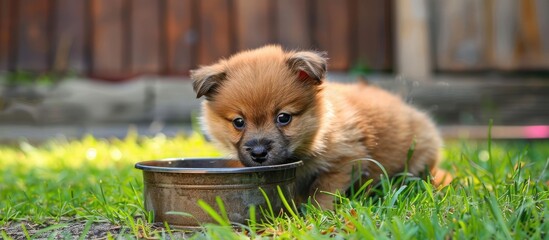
[(268, 106)]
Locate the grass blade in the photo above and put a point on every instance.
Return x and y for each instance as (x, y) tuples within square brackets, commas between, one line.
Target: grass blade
[(168, 230), (5, 235), (268, 202), (86, 229), (285, 202), (213, 214), (543, 170), (25, 232), (50, 228), (396, 195), (496, 212), (252, 222), (360, 227), (410, 154), (222, 209), (362, 189), (182, 214)]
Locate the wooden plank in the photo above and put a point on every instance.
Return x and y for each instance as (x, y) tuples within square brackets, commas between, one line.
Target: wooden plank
[(542, 8), (293, 24), (254, 21), (332, 32), (6, 42), (70, 36), (180, 36), (33, 35), (412, 39), (460, 35), (214, 38), (522, 35), (108, 43), (487, 35), (374, 34), (531, 51), (145, 36), (505, 28)]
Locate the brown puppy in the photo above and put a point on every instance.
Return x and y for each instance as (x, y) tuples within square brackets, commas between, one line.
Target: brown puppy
[(267, 106)]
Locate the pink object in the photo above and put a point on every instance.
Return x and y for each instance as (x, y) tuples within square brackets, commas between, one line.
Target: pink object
[(539, 131)]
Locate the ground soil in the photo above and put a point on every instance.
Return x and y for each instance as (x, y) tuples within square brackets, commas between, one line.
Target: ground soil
[(72, 230), (75, 229)]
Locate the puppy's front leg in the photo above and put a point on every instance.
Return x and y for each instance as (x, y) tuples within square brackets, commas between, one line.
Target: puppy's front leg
[(326, 183)]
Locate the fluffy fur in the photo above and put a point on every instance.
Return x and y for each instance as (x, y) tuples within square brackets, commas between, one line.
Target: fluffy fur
[(332, 125)]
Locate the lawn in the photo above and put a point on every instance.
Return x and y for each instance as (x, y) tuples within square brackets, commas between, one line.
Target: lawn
[(89, 188)]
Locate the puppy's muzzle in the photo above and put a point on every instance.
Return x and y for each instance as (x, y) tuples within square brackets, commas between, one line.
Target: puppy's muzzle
[(258, 149)]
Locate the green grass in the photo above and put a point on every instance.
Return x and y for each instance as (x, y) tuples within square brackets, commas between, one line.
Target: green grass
[(500, 191)]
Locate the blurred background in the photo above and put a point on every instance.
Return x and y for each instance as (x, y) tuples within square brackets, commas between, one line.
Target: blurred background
[(72, 67)]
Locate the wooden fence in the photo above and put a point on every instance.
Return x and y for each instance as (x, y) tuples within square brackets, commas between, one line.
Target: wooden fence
[(117, 39), (503, 35)]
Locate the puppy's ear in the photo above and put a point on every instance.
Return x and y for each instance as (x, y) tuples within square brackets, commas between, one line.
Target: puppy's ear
[(207, 79), (308, 65)]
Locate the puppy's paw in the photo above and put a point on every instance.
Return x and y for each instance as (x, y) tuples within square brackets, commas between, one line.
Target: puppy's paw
[(441, 178)]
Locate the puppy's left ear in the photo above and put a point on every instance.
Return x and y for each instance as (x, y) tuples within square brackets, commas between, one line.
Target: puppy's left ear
[(308, 65), (207, 79)]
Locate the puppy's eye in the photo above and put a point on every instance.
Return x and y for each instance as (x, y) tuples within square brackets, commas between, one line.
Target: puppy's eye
[(283, 119), (239, 123)]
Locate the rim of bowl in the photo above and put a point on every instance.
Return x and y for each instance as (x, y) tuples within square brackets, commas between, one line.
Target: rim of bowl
[(146, 166)]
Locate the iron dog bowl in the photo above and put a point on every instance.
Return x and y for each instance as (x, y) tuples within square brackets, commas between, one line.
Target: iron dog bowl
[(174, 186)]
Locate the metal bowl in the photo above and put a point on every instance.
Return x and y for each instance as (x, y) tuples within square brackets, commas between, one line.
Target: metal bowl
[(175, 186)]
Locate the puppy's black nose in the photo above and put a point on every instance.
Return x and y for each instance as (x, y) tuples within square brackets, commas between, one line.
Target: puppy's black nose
[(259, 153), (258, 149)]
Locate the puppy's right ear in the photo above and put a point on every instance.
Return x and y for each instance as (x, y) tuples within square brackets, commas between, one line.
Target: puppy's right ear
[(207, 79), (308, 65)]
